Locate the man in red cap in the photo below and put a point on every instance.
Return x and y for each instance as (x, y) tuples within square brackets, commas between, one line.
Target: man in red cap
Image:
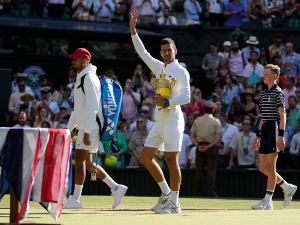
[(86, 105)]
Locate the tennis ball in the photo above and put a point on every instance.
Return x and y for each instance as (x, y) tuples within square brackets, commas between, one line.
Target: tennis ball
[(111, 161), (74, 139)]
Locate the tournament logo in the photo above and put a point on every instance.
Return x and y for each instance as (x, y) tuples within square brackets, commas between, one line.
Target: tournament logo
[(33, 76)]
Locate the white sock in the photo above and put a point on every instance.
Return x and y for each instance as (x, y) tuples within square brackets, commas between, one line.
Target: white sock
[(164, 187), (77, 192), (284, 185), (269, 195), (110, 182), (174, 197)]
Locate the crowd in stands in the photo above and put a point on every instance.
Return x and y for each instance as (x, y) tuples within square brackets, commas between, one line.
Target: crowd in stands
[(235, 13), (233, 80)]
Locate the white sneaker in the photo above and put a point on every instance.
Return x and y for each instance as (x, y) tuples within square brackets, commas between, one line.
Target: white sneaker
[(288, 195), (169, 208), (263, 205), (118, 195), (73, 204), (162, 201)]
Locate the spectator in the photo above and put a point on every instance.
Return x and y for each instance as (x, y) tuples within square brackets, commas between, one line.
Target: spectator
[(192, 10), (28, 106), (209, 64), (14, 100), (251, 108), (215, 9), (295, 151), (235, 12), (252, 43), (221, 71), (277, 60), (103, 10), (150, 103), (137, 141), (192, 157), (71, 77), (277, 47), (14, 84), (144, 112), (21, 121), (241, 146), (37, 7), (238, 35), (116, 147), (56, 8), (46, 124), (255, 12), (292, 13), (292, 57), (63, 119), (190, 121), (44, 84), (147, 9), (226, 49), (232, 88), (195, 106), (228, 131), (162, 4), (167, 19), (51, 106), (81, 9), (293, 114), (274, 10), (218, 95), (297, 92), (67, 100), (183, 158), (289, 89), (205, 134), (285, 72), (236, 113), (219, 105), (130, 100), (138, 78), (253, 71), (43, 115), (237, 60), (21, 77), (264, 58), (122, 129)]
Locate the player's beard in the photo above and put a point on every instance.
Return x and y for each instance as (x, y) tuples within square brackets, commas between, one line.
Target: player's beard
[(168, 59)]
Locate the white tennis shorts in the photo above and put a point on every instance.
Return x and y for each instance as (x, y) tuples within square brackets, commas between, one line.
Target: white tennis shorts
[(165, 136), (94, 139)]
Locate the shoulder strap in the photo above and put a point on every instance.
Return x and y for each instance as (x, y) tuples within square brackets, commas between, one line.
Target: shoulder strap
[(243, 57), (82, 83)]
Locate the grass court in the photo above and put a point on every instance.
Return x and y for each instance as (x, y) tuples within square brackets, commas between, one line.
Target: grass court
[(136, 211)]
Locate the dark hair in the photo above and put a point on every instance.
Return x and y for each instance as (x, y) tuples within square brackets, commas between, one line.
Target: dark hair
[(47, 124), (278, 35), (291, 78), (292, 96), (254, 52), (213, 43), (168, 41)]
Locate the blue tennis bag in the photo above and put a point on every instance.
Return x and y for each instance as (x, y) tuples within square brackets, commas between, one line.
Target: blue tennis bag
[(111, 100)]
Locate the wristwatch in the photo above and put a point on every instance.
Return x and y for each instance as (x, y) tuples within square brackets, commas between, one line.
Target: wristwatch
[(167, 104)]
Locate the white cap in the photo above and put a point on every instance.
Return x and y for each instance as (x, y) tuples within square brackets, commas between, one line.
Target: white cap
[(227, 43)]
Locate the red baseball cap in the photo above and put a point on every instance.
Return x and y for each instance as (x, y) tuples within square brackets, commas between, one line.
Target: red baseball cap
[(81, 53)]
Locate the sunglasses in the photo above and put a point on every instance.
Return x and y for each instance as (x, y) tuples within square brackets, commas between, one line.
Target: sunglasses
[(144, 112), (22, 85)]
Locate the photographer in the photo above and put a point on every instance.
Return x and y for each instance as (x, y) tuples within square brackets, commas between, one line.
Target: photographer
[(67, 100), (167, 19)]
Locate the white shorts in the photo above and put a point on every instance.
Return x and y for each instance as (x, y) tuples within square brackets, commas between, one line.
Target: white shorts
[(166, 137), (94, 139)]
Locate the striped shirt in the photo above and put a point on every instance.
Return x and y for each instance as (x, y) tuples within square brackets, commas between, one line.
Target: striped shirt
[(270, 101)]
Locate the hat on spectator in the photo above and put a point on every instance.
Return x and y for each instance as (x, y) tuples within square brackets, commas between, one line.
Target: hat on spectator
[(252, 40), (148, 101), (248, 91), (226, 43), (45, 89), (22, 75), (81, 53), (29, 94), (145, 108), (209, 104)]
